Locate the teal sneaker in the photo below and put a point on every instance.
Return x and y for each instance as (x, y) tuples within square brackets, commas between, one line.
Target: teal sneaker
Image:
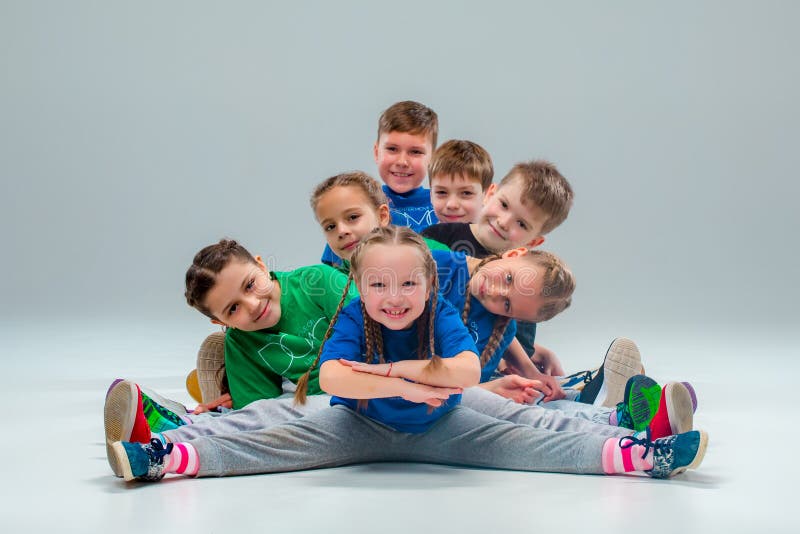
[(141, 462), (639, 404), (672, 455)]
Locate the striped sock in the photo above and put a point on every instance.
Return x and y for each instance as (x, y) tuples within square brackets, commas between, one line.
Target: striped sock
[(619, 458), (183, 460)]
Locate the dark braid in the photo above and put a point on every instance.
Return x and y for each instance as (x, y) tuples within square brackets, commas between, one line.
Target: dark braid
[(302, 385), (500, 322)]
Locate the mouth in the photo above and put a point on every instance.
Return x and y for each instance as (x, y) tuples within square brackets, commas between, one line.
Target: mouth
[(350, 246), (263, 312), (453, 218), (395, 313), (402, 174), (495, 231)]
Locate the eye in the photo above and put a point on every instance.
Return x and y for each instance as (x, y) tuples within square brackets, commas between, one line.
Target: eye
[(328, 227), (409, 283), (522, 225), (504, 204), (507, 305), (467, 194), (354, 216), (509, 278), (377, 285), (250, 284), (417, 152), (233, 309), (390, 149), (440, 193)]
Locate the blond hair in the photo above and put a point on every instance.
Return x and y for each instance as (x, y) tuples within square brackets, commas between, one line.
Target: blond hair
[(366, 183)]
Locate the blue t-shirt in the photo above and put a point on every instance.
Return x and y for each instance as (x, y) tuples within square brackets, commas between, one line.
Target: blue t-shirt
[(347, 342), (453, 277), (412, 209)]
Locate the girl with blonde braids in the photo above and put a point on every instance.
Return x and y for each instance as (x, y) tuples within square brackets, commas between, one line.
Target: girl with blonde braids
[(396, 396)]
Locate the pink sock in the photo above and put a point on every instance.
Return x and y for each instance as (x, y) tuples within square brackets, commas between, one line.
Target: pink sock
[(624, 459), (183, 460)]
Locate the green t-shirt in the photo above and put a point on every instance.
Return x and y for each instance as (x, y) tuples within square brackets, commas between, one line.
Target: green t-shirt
[(256, 362)]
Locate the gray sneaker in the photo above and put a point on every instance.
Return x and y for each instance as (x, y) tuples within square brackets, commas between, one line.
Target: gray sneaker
[(621, 362)]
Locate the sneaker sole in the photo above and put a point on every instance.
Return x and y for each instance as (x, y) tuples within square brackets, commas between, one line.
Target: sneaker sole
[(622, 362), (121, 459), (210, 359), (679, 407), (119, 419), (642, 395), (698, 457)]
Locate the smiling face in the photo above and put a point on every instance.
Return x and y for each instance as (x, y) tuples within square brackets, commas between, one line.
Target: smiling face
[(393, 285), (402, 159), (346, 214), (456, 198), (245, 297), (505, 222), (511, 286)]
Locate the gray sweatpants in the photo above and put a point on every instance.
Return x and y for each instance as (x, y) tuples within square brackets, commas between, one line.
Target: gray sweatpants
[(338, 436)]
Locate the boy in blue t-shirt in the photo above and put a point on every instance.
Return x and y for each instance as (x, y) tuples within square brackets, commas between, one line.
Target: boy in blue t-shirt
[(407, 133)]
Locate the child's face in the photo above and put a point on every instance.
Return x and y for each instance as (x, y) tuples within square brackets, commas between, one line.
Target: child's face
[(510, 286), (456, 198), (393, 285), (505, 222), (346, 214), (245, 297), (402, 159)]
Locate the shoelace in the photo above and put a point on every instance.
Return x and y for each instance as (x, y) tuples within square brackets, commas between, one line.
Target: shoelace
[(157, 451), (645, 442)]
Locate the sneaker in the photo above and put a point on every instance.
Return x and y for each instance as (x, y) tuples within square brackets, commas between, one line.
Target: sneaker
[(675, 413), (672, 455), (689, 387), (577, 381), (131, 415), (210, 359), (138, 461), (640, 403), (193, 386), (621, 362)]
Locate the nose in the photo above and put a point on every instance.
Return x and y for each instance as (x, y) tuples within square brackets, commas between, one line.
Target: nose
[(343, 229), (402, 158), (502, 220), (452, 202), (252, 304)]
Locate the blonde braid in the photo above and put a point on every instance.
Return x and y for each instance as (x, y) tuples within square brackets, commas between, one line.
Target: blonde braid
[(302, 385), (498, 331)]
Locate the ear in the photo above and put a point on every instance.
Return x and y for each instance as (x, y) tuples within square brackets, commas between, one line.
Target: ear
[(490, 191), (260, 262), (375, 151), (220, 323), (535, 242), (514, 252), (384, 216)]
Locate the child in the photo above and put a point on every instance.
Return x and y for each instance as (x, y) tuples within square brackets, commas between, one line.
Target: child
[(530, 201), (396, 360), (460, 172), (407, 133)]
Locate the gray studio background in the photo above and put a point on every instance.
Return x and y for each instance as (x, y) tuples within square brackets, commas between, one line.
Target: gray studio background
[(132, 134)]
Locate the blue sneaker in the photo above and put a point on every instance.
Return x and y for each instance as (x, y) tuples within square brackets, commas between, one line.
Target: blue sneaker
[(142, 462), (674, 454)]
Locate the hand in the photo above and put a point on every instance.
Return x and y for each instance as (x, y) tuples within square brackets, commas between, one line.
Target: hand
[(517, 388), (430, 395), (224, 401), (379, 369), (546, 361), (552, 387)]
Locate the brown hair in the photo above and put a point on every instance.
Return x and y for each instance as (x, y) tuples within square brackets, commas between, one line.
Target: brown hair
[(365, 182), (392, 235), (409, 117), (465, 158), (543, 186), (201, 275)]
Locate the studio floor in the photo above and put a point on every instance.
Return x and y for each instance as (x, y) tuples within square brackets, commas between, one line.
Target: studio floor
[(56, 478)]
